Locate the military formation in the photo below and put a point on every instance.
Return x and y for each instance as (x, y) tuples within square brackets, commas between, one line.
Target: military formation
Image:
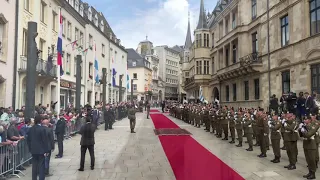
[(258, 125)]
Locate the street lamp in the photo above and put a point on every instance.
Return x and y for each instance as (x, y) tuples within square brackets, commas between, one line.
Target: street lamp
[(132, 90)]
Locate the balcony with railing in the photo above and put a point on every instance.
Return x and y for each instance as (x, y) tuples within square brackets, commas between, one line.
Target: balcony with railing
[(246, 65), (43, 68)]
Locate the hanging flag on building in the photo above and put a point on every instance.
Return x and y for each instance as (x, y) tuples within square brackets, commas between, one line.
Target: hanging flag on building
[(59, 47), (114, 73), (201, 98), (96, 68)]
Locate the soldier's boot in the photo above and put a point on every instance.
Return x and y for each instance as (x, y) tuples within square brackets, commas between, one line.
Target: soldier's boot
[(225, 138), (287, 166), (132, 131), (250, 148), (312, 175), (277, 160), (257, 144), (262, 155), (307, 175), (240, 144), (232, 141), (283, 148), (292, 167)]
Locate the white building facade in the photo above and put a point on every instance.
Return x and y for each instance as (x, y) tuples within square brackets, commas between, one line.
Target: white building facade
[(7, 44), (85, 32)]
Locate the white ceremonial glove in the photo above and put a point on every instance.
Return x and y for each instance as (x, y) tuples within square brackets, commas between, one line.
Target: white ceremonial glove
[(300, 125), (269, 123), (285, 124), (303, 130), (235, 119), (265, 134), (283, 121)]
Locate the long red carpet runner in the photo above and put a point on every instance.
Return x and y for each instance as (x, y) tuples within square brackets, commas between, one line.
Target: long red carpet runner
[(189, 160)]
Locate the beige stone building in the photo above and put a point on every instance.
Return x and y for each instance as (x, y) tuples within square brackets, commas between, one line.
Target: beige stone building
[(255, 50)]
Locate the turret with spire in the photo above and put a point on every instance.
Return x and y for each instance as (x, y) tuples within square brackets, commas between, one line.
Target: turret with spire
[(188, 42), (202, 23)]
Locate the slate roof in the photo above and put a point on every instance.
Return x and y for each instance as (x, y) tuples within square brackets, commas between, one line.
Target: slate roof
[(188, 42), (202, 23)]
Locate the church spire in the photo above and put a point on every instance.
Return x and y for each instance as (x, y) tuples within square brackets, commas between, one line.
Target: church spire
[(202, 23), (188, 42)]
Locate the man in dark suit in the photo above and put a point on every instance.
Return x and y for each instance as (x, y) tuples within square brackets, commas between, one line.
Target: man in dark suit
[(49, 131), (38, 146), (108, 117), (163, 105), (60, 131), (310, 104), (87, 142)]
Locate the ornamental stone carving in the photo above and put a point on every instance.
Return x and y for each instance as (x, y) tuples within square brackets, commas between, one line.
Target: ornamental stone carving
[(42, 31), (25, 19)]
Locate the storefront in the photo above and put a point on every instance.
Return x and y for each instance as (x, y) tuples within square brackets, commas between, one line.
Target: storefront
[(67, 93)]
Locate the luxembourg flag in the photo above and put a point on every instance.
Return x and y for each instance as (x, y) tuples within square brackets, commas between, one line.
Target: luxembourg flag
[(201, 98), (59, 46), (96, 66)]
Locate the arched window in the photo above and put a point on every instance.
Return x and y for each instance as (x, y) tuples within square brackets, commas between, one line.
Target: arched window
[(101, 25), (81, 10), (90, 14)]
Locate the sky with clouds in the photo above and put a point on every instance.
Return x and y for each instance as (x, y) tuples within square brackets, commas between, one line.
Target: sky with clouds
[(163, 21)]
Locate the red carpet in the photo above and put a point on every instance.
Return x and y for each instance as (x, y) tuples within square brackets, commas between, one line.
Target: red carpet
[(189, 160), (154, 110), (160, 121)]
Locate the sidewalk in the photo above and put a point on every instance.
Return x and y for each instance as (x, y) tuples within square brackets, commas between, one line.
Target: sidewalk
[(120, 155)]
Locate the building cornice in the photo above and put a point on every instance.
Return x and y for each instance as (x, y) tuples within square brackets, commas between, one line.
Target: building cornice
[(73, 12)]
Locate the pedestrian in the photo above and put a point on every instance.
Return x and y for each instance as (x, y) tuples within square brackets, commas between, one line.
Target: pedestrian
[(148, 109), (38, 146), (87, 142), (132, 118), (108, 117), (60, 131), (49, 131)]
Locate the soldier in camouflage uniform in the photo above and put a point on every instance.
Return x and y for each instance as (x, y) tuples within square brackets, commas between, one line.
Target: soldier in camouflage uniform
[(232, 125), (224, 122), (239, 128)]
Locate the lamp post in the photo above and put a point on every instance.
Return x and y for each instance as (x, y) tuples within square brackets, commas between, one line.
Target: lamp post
[(132, 90)]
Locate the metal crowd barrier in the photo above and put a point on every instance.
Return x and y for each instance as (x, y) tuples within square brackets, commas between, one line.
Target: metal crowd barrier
[(12, 157)]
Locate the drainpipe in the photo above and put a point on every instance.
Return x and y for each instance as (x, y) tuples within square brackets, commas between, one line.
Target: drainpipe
[(15, 62), (268, 36)]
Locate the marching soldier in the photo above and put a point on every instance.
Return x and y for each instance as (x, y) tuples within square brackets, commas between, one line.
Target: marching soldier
[(275, 126), (308, 131), (148, 109), (255, 129), (283, 116), (291, 138), (232, 125), (239, 128), (247, 124)]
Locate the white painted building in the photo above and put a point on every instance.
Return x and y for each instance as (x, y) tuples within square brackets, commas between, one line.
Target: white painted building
[(7, 44)]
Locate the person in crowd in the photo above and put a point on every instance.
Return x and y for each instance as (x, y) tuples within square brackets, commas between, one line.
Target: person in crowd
[(60, 131), (49, 132), (274, 104), (163, 105), (38, 146), (96, 116), (301, 109), (87, 142), (310, 104), (132, 118), (3, 142)]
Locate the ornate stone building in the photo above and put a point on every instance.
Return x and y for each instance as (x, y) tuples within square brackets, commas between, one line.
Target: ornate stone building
[(256, 50)]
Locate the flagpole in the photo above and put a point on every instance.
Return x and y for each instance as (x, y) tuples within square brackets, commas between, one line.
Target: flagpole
[(58, 73), (93, 75)]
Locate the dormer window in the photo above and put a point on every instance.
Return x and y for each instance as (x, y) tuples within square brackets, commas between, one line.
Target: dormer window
[(76, 5), (81, 10), (90, 14), (71, 2), (96, 20), (102, 26)]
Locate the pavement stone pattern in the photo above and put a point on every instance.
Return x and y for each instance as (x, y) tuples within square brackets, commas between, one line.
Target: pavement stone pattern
[(121, 155)]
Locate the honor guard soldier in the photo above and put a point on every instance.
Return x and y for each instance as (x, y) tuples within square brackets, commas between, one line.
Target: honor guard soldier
[(308, 131), (206, 119), (232, 126), (239, 128), (275, 126), (224, 122), (247, 124), (291, 138), (263, 129), (212, 119)]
